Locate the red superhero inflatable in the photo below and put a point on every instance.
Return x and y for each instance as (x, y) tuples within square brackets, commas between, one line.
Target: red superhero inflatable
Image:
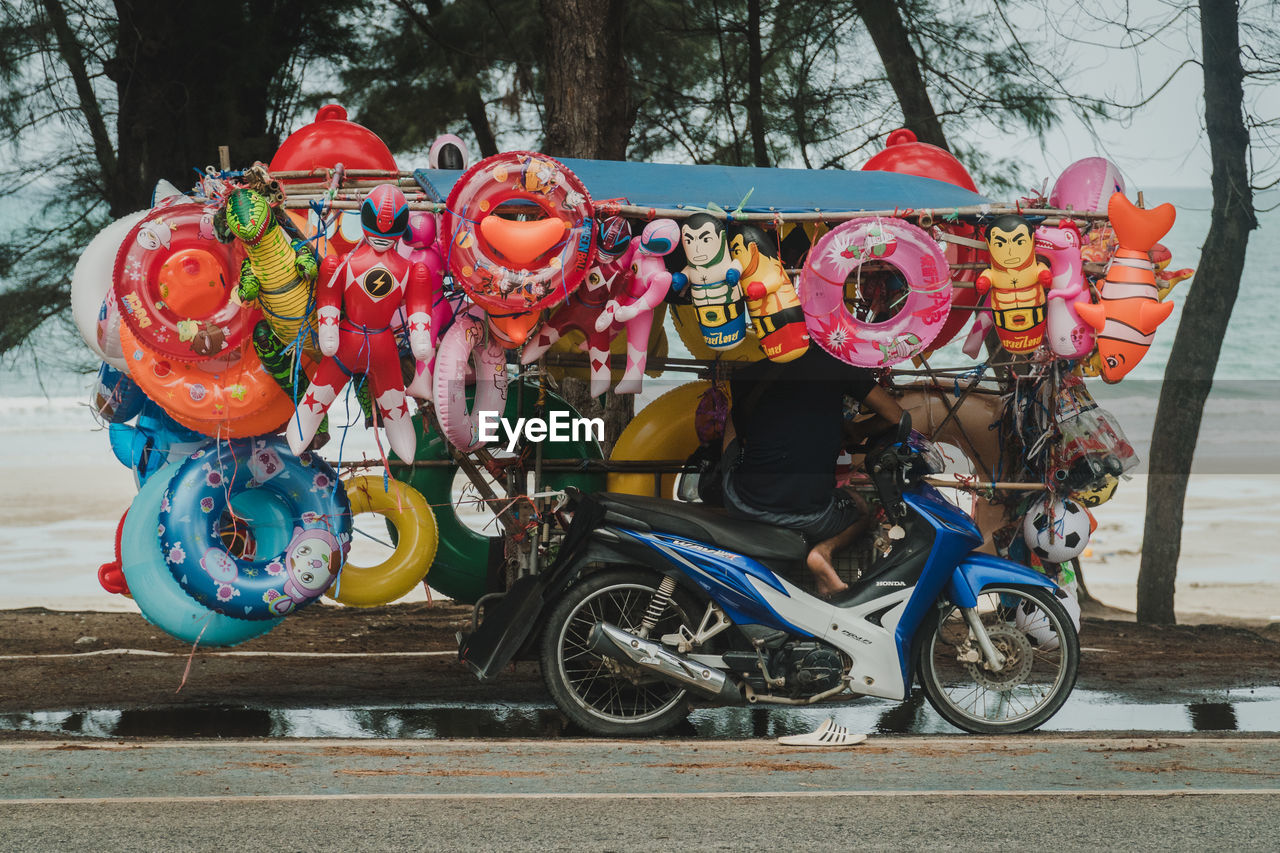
[(357, 301), (605, 282)]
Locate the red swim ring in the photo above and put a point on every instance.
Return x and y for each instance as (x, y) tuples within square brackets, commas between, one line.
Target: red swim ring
[(511, 267), (176, 284)]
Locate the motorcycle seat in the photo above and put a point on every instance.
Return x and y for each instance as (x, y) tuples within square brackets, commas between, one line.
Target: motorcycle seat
[(712, 526)]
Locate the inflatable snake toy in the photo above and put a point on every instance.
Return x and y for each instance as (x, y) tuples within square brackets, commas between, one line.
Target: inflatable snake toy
[(277, 271)]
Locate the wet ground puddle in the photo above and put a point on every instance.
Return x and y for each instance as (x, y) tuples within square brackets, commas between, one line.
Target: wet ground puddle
[(1248, 710)]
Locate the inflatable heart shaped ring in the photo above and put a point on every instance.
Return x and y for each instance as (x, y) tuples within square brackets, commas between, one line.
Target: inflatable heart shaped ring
[(521, 232)]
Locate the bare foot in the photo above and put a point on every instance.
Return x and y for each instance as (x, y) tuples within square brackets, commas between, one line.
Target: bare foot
[(819, 562)]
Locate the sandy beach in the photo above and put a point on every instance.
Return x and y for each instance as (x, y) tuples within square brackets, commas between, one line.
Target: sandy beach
[(63, 492)]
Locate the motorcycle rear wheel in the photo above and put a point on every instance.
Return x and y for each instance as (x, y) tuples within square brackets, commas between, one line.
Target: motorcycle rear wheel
[(1036, 634), (600, 695)]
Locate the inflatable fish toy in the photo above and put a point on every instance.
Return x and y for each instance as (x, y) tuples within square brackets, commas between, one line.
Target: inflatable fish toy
[(1128, 308)]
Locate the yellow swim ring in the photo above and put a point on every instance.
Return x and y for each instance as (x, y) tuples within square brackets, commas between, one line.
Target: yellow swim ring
[(665, 430), (416, 539)]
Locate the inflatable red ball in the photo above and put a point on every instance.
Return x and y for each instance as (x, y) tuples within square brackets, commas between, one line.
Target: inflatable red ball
[(321, 145), (905, 155), (330, 140)]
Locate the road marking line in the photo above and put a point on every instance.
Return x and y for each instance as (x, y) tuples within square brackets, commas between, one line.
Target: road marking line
[(659, 746), (151, 653), (672, 795)]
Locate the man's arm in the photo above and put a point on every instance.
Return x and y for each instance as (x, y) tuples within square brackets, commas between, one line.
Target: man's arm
[(882, 403)]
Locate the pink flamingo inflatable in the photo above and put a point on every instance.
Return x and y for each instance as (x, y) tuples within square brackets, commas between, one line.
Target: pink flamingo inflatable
[(1067, 335)]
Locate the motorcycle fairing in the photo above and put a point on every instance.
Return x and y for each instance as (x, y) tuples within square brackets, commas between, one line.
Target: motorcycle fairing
[(955, 536), (732, 580), (982, 570)]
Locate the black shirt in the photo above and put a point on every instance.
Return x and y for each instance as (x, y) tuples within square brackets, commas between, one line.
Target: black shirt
[(791, 432)]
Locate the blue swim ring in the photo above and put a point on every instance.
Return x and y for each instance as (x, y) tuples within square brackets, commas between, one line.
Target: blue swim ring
[(162, 601), (268, 582)]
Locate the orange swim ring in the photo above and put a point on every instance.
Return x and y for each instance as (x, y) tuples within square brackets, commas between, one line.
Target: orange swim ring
[(227, 398)]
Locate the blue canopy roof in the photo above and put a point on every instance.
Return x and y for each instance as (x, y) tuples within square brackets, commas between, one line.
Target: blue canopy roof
[(661, 185)]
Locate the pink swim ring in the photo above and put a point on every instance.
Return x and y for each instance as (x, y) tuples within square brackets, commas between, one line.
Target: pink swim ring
[(839, 254)]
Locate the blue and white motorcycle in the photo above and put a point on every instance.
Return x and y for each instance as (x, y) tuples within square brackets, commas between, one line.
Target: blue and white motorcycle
[(652, 604)]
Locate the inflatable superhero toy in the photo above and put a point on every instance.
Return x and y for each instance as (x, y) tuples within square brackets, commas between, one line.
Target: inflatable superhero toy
[(358, 299), (585, 309)]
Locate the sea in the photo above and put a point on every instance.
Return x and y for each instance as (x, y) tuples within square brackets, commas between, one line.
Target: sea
[(61, 491)]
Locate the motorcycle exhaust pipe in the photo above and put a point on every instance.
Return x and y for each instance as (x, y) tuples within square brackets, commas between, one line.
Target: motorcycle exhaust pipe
[(627, 648)]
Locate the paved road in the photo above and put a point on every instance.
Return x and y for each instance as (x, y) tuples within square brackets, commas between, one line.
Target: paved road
[(891, 793)]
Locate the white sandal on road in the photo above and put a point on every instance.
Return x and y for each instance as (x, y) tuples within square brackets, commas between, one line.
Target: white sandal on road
[(827, 734)]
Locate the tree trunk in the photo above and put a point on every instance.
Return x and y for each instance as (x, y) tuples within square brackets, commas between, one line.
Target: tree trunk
[(588, 105), (755, 85), (465, 77), (1188, 377), (884, 23), (181, 95), (588, 114)]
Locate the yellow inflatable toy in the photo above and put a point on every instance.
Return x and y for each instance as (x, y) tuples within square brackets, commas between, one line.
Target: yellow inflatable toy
[(416, 540), (662, 430)]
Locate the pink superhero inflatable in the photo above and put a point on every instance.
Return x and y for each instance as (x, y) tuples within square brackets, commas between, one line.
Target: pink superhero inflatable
[(357, 301), (585, 306), (647, 287), (423, 248)]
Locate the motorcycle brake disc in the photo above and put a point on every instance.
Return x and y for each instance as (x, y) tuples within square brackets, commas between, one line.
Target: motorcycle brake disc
[(1018, 659)]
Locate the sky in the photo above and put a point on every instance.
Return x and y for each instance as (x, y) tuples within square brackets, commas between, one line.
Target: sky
[(1163, 143)]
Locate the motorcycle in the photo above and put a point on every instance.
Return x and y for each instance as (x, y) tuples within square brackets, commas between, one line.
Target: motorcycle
[(651, 604)]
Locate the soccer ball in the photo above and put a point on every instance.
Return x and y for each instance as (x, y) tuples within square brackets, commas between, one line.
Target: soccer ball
[(1032, 621), (1056, 529)]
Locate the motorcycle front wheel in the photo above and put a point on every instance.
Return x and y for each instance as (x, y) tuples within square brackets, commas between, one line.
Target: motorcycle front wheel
[(596, 692), (1042, 656)]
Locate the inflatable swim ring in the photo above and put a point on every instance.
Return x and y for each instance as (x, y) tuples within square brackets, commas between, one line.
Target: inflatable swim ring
[(92, 298), (463, 559), (416, 537), (841, 252), (176, 284), (664, 430), (154, 590), (225, 398), (466, 343), (261, 582), (511, 267), (111, 575)]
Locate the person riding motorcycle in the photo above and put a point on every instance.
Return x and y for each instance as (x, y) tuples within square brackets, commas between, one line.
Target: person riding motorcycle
[(784, 436)]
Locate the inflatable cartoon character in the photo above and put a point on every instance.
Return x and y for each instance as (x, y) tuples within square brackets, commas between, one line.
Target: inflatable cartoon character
[(422, 246), (1068, 336), (1016, 282), (1128, 309), (646, 288), (771, 300), (309, 569), (358, 299), (585, 306), (711, 279)]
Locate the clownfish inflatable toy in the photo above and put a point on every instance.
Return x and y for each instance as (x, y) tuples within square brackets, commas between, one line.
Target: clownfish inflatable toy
[(1128, 308)]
